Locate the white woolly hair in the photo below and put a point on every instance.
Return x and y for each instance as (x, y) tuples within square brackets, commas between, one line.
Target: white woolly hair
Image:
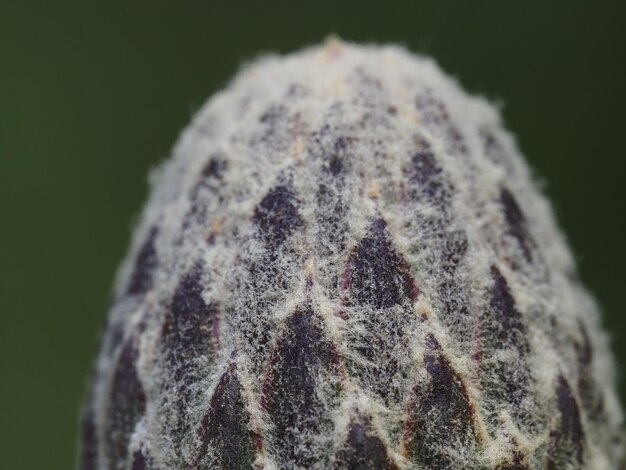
[(346, 249)]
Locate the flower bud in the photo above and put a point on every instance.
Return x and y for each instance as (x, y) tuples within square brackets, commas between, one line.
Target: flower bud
[(345, 265)]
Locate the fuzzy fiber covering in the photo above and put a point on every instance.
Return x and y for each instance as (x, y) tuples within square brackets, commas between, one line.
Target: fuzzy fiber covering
[(346, 265)]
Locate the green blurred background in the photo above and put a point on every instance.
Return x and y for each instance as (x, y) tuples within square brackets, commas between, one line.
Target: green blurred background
[(93, 94)]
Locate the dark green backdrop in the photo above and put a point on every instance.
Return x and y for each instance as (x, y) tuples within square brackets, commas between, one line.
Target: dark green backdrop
[(93, 94)]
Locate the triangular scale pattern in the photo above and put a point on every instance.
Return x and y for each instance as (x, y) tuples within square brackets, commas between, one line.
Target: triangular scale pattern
[(346, 264)]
